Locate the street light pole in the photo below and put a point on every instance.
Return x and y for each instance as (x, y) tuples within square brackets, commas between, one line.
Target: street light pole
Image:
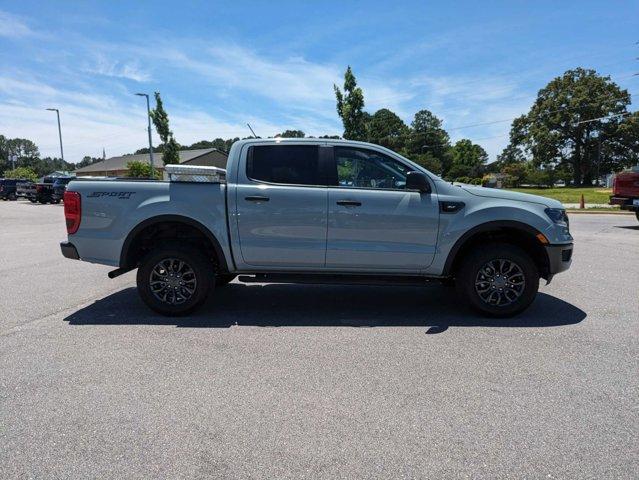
[(59, 130), (148, 114)]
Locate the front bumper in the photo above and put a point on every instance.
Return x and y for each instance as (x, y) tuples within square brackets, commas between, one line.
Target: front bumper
[(559, 257), (69, 250)]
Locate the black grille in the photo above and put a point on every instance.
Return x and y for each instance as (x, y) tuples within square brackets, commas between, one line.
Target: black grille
[(566, 255)]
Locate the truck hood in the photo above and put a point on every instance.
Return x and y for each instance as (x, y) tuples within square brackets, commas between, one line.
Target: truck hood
[(508, 195)]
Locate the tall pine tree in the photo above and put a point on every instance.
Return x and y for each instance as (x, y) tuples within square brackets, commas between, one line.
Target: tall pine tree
[(170, 148)]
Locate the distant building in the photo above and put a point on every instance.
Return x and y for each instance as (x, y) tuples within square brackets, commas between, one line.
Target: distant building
[(117, 166)]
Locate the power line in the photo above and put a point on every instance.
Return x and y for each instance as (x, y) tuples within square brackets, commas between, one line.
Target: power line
[(545, 113), (604, 118)]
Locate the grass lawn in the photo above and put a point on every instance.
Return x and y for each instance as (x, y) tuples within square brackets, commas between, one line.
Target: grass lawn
[(571, 195)]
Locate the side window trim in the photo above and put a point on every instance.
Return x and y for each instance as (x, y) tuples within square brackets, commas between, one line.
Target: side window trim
[(320, 174)]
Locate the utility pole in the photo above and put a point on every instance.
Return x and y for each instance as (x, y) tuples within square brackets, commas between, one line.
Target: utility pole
[(598, 158), (148, 115), (57, 112)]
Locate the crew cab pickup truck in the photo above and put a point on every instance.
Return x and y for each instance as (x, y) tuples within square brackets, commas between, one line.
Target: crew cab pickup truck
[(625, 191), (44, 191), (317, 211), (25, 189)]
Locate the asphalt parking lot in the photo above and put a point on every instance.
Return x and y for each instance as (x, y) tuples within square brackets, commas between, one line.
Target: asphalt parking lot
[(286, 381)]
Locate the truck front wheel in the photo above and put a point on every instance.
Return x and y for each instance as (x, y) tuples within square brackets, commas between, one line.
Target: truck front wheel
[(174, 280), (498, 280)]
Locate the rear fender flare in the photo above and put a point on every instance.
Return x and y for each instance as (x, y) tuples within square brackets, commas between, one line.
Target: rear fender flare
[(172, 218)]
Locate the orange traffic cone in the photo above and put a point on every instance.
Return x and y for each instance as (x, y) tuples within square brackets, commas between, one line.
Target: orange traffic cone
[(581, 202)]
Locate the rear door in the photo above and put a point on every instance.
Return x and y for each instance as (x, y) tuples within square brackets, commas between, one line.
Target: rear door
[(281, 202), (374, 223)]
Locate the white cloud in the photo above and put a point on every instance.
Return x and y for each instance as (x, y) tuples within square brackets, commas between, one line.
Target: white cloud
[(93, 121), (118, 69), (12, 26), (291, 90), (292, 80)]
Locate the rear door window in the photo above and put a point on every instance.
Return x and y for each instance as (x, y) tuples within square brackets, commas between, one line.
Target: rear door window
[(284, 164)]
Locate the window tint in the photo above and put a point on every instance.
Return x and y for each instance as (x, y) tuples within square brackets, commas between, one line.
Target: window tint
[(289, 164), (369, 169), (63, 181)]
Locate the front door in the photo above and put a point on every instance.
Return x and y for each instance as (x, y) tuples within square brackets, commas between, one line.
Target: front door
[(374, 223), (281, 207)]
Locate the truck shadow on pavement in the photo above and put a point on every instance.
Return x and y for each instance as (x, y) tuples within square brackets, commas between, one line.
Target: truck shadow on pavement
[(278, 305)]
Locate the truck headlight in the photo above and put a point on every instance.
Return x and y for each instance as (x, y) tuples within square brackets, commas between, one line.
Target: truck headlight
[(558, 216)]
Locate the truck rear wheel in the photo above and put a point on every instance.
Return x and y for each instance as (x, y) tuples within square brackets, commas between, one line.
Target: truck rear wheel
[(174, 280), (498, 280)]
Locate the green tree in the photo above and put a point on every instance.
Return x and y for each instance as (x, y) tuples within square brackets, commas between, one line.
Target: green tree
[(350, 106), (87, 160), (137, 169), (427, 135), (577, 121), (516, 173), (512, 154), (219, 143), (25, 150), (387, 129), (170, 148), (291, 134), (539, 177), (22, 173), (467, 159), (429, 162)]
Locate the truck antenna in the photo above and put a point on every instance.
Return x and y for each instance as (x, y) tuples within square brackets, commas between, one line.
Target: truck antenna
[(249, 125)]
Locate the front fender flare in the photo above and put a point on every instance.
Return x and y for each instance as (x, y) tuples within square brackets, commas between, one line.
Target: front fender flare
[(481, 228)]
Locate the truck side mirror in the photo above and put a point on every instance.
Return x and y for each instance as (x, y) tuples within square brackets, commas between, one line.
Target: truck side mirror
[(417, 181)]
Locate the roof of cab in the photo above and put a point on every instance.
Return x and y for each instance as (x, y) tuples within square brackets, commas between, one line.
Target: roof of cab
[(307, 140)]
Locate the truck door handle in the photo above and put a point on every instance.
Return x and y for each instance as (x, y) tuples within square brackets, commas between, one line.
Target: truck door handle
[(349, 203), (256, 198)]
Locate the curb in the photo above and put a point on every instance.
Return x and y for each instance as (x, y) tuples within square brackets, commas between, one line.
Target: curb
[(598, 212)]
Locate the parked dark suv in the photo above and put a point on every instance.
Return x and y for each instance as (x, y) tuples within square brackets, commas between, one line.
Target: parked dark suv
[(8, 189), (59, 187)]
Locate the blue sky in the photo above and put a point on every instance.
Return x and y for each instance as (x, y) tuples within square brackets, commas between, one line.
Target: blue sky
[(219, 65)]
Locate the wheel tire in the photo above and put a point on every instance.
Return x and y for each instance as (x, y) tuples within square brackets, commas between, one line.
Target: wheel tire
[(637, 214), (469, 274), (223, 279), (202, 271), (12, 197)]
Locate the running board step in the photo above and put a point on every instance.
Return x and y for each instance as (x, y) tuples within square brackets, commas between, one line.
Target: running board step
[(334, 279)]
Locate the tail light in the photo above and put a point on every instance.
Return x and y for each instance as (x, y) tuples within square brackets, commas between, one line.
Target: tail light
[(38, 188), (72, 211)]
